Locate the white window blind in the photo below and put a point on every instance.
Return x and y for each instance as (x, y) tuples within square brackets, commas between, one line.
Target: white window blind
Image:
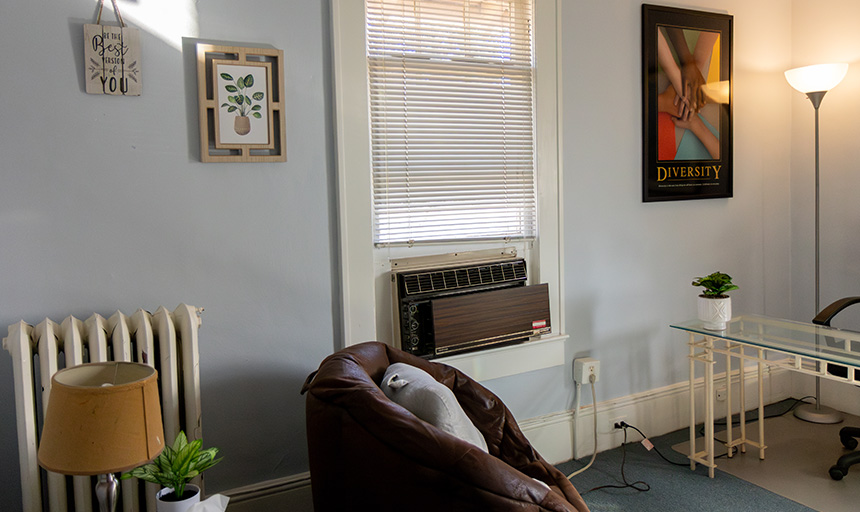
[(451, 114)]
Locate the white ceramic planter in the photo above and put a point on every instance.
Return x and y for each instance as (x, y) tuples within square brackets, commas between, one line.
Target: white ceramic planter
[(177, 506), (714, 313)]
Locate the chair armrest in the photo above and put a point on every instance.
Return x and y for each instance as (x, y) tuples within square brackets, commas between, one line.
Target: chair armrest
[(827, 314)]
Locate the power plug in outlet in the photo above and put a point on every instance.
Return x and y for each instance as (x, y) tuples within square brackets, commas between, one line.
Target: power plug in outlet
[(584, 368)]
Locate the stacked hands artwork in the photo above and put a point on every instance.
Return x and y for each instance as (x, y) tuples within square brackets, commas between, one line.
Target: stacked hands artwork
[(687, 112), (689, 94)]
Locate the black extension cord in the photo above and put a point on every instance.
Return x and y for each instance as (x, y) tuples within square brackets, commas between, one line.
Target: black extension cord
[(639, 485), (642, 486)]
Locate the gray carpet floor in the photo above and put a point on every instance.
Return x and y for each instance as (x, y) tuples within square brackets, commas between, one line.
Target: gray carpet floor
[(792, 478)]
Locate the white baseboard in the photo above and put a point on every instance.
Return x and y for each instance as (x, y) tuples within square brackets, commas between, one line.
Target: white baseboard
[(655, 412), (291, 493)]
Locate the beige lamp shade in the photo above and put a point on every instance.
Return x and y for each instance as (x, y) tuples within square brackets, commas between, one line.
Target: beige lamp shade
[(817, 78), (102, 418)]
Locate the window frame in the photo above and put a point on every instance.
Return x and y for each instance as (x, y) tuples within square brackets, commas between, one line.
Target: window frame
[(365, 294)]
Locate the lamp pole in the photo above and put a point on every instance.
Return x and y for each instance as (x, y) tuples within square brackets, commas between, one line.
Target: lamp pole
[(815, 98), (815, 81), (808, 412)]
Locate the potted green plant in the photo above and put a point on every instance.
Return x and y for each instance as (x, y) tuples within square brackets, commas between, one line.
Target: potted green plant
[(715, 307), (240, 103), (174, 467)]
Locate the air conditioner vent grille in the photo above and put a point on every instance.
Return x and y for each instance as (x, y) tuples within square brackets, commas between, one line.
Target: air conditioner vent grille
[(460, 278)]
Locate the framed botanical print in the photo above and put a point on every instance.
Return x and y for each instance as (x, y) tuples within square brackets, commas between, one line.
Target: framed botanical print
[(241, 100), (686, 103)]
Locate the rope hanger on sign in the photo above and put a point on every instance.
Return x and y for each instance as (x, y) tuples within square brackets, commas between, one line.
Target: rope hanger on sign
[(115, 10)]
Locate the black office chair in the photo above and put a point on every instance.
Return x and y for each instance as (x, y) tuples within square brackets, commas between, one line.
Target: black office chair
[(848, 435)]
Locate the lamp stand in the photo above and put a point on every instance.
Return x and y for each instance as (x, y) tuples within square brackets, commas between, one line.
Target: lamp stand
[(816, 413), (106, 492)]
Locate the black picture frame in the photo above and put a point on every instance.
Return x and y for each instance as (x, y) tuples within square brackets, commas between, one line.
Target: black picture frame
[(686, 138)]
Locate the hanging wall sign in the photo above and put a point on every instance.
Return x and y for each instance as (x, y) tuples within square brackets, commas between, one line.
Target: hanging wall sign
[(112, 57)]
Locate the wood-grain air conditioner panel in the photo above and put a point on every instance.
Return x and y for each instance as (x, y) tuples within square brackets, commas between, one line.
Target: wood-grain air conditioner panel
[(469, 321)]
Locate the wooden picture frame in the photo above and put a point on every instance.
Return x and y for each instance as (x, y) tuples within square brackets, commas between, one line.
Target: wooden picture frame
[(241, 102), (686, 104)]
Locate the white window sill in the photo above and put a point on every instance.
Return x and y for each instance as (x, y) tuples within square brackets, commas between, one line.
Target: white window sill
[(494, 363)]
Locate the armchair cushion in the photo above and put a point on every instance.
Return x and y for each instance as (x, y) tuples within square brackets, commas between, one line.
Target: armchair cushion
[(420, 394)]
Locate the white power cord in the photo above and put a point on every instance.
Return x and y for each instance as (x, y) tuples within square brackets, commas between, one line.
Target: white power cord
[(591, 380)]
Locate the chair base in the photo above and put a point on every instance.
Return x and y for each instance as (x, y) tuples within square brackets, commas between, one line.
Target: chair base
[(848, 436)]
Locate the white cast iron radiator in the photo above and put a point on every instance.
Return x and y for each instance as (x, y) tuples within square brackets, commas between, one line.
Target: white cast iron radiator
[(167, 341)]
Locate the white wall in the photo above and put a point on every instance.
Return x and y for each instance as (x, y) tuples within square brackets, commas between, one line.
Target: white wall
[(628, 265), (104, 205), (827, 32)]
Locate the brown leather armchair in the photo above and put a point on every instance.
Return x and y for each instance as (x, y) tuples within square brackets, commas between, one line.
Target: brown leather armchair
[(366, 451)]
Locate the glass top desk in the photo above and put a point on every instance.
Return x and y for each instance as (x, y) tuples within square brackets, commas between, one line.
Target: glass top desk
[(797, 346)]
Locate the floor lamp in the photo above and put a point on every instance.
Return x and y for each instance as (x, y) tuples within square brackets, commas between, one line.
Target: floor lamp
[(815, 81)]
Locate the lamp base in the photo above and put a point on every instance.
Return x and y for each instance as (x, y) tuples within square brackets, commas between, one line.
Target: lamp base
[(818, 414), (106, 487)]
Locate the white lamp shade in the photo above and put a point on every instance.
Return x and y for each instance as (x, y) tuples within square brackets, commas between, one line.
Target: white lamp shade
[(817, 78)]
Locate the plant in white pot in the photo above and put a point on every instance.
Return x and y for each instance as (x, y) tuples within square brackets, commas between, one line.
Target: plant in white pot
[(173, 469), (715, 307)]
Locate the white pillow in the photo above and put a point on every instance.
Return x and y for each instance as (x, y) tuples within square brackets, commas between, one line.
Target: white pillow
[(419, 393)]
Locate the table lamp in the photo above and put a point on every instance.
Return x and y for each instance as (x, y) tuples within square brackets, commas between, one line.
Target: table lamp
[(102, 418), (815, 81)]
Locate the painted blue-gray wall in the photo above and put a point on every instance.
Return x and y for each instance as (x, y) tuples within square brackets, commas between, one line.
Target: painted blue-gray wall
[(628, 265), (104, 205)]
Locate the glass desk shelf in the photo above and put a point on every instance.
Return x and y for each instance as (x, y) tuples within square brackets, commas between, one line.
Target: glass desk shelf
[(796, 346), (799, 339)]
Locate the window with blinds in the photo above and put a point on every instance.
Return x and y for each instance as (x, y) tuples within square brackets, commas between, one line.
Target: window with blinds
[(452, 124)]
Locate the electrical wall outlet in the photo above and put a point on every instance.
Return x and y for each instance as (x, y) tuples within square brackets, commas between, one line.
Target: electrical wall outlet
[(720, 394), (615, 423), (584, 368)]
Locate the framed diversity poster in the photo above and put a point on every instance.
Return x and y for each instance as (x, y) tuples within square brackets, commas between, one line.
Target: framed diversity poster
[(686, 104)]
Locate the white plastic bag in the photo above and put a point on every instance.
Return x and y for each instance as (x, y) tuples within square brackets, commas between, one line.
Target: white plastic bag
[(214, 503)]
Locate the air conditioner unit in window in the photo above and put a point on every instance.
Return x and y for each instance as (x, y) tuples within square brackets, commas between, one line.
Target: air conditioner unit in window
[(446, 310)]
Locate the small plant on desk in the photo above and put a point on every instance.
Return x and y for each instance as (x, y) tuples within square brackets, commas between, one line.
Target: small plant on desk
[(715, 306), (716, 285)]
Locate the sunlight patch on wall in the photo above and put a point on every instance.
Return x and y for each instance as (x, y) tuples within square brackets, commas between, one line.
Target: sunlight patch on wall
[(169, 20)]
